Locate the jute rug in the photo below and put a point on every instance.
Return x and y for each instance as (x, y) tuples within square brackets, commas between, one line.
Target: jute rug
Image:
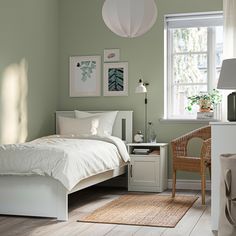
[(143, 209)]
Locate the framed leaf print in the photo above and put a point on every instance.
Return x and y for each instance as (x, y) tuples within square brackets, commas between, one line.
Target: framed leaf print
[(115, 81), (85, 76)]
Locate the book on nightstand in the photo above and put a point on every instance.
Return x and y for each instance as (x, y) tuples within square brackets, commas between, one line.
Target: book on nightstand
[(141, 151)]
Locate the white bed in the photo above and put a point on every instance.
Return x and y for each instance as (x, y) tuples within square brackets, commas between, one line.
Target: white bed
[(44, 196)]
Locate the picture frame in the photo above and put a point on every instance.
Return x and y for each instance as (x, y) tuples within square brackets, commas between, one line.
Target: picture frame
[(85, 76), (115, 79), (111, 55)]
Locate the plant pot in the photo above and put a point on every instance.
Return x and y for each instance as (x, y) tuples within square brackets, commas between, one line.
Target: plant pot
[(204, 105), (204, 109)]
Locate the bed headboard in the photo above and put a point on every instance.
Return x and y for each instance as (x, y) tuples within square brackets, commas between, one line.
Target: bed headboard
[(123, 125)]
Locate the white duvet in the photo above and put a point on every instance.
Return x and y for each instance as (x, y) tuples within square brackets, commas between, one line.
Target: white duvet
[(66, 158)]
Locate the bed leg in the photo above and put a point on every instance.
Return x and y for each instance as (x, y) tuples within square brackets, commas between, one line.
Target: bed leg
[(63, 216), (62, 204)]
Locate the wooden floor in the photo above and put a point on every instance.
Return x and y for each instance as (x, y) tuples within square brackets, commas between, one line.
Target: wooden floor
[(196, 221)]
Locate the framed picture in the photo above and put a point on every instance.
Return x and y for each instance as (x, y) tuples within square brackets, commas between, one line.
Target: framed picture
[(111, 55), (115, 77), (85, 76)]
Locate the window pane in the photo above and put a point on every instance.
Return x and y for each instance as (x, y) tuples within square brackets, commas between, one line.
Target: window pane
[(219, 51), (219, 37), (180, 98), (190, 68), (219, 45), (190, 39)]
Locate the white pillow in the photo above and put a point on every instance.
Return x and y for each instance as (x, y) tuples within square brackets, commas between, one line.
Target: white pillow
[(106, 120), (93, 125), (76, 126), (84, 114)]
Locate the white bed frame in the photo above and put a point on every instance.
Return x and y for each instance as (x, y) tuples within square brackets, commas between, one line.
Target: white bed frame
[(46, 197)]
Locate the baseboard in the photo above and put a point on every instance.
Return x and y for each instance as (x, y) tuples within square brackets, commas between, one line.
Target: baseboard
[(121, 181), (189, 184)]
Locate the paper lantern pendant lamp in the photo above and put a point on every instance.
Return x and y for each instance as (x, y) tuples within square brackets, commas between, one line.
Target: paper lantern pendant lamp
[(129, 18)]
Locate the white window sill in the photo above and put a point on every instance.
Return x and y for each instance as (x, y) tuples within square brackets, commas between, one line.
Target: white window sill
[(187, 121)]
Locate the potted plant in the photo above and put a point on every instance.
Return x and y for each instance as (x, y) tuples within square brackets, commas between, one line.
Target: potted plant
[(206, 101)]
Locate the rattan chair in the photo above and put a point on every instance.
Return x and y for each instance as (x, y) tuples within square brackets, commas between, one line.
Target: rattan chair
[(183, 162)]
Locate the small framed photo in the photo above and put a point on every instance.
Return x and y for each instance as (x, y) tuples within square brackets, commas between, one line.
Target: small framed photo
[(111, 55), (85, 76), (115, 79)]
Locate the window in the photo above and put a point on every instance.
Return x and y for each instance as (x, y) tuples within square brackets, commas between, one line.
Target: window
[(194, 48)]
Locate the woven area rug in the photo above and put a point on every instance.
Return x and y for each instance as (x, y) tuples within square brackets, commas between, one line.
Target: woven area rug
[(143, 209)]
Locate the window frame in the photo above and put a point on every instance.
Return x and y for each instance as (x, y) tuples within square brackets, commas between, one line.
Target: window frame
[(188, 20)]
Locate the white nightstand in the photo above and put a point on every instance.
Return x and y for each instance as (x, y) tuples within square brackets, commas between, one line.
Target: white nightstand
[(148, 172)]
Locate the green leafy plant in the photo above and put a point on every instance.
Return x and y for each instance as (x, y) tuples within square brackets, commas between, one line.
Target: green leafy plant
[(206, 101)]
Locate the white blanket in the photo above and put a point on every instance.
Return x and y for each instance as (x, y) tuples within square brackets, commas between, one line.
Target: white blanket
[(68, 159)]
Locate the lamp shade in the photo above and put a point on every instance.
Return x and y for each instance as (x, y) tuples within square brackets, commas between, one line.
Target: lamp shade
[(227, 79), (129, 18), (140, 88)]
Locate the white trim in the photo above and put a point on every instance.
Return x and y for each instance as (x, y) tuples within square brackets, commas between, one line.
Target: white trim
[(193, 14), (187, 121), (166, 58), (189, 184), (171, 21), (191, 19)]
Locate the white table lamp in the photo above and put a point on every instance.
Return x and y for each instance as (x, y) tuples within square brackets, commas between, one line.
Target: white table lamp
[(227, 80)]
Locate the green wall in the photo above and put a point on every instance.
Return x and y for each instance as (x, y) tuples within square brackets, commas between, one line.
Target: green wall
[(82, 32), (29, 47), (37, 38)]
